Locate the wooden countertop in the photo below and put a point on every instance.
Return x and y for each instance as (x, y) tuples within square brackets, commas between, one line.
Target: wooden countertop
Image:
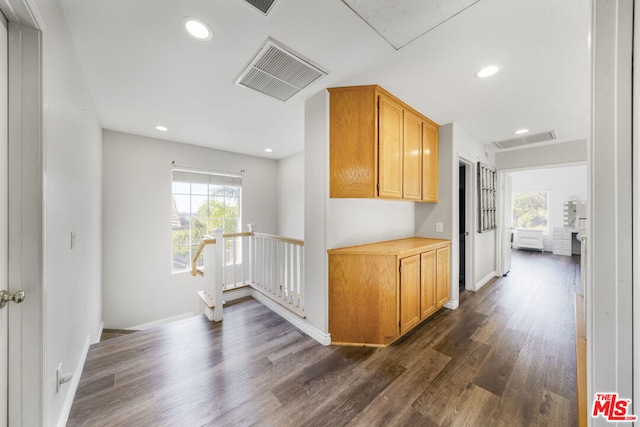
[(401, 247)]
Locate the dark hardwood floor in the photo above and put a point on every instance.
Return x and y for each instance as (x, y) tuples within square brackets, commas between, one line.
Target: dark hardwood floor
[(108, 334), (505, 357)]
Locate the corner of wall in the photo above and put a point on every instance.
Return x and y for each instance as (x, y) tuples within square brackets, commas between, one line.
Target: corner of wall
[(316, 193)]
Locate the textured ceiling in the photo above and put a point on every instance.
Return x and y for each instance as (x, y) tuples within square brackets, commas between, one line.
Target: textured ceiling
[(144, 70), (401, 22)]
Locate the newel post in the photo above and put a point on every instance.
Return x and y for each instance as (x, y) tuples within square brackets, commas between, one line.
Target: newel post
[(252, 252), (216, 277), (209, 278)]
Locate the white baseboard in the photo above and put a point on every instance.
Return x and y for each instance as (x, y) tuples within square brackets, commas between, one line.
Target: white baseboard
[(322, 337), (161, 322), (453, 304), (99, 335), (238, 293), (486, 279), (228, 296), (72, 386)]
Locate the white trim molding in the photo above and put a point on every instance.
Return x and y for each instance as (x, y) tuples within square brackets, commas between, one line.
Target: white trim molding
[(23, 12), (27, 342), (73, 385), (486, 279), (609, 287), (161, 322), (322, 337), (234, 294), (453, 304)]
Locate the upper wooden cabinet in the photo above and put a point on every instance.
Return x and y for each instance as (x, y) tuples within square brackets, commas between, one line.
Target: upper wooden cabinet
[(380, 147), (390, 153), (429, 162), (412, 178)]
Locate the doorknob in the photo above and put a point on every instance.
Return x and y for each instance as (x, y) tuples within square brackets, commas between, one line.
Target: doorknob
[(5, 297)]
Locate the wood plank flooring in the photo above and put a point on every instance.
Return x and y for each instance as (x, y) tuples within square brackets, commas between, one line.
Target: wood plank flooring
[(505, 357), (108, 334)]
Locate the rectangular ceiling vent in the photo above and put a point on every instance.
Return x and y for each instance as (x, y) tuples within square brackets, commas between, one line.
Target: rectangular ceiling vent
[(279, 73), (264, 6), (526, 139)]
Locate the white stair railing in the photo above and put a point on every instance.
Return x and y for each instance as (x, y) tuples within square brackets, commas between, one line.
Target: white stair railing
[(278, 269), (272, 265)]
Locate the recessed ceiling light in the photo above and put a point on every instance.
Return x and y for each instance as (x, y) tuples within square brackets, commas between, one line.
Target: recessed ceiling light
[(268, 150), (162, 128), (197, 28), (521, 131), (487, 71)]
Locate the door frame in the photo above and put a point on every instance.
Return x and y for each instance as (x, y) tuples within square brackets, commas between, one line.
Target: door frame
[(501, 222), (636, 208), (27, 330), (470, 221)]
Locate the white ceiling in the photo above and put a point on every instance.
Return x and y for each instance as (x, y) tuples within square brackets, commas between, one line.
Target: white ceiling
[(144, 70), (402, 22)]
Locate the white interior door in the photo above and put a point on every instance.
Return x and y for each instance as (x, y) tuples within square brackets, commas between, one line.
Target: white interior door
[(4, 239)]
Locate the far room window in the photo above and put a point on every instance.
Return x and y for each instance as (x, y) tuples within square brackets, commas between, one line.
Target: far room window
[(200, 203), (530, 210)]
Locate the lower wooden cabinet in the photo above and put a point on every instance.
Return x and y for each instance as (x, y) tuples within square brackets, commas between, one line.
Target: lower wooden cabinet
[(442, 279), (428, 298), (379, 291), (409, 293)]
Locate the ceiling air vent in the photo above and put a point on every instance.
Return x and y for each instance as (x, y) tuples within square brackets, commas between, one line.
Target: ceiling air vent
[(279, 73), (264, 6), (526, 140)]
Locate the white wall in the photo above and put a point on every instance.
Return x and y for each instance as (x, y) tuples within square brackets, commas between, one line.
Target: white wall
[(562, 183), (291, 196), (138, 286), (546, 155), (332, 223), (428, 214), (483, 244), (73, 204)]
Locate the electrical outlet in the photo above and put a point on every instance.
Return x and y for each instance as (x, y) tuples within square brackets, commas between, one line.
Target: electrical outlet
[(439, 227)]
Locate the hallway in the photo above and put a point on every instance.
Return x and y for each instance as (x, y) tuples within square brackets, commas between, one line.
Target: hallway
[(506, 356)]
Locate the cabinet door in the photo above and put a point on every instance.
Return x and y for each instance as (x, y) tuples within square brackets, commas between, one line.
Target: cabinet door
[(442, 279), (409, 292), (429, 162), (428, 302), (389, 148), (412, 158)]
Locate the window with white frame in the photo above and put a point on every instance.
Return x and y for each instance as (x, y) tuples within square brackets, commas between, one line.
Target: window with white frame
[(530, 210), (200, 203)]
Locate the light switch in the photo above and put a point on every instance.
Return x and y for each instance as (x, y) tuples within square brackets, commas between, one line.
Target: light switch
[(439, 227)]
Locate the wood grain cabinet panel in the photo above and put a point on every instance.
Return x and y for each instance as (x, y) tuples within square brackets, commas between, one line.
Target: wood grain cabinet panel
[(378, 145), (428, 301), (429, 162), (442, 277), (409, 293), (353, 155), (412, 157), (379, 291), (390, 148)]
